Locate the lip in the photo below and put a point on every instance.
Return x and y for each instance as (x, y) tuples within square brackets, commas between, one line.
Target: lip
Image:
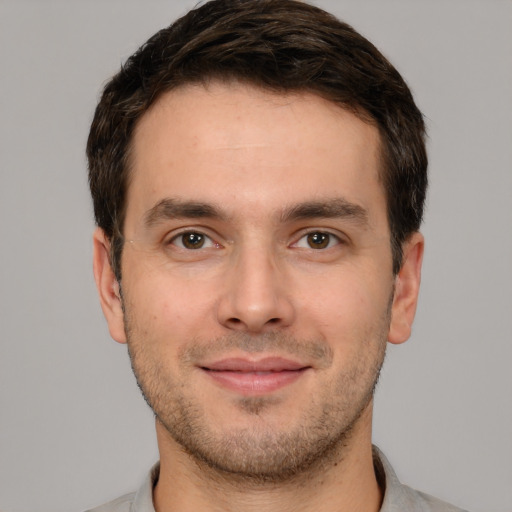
[(254, 377)]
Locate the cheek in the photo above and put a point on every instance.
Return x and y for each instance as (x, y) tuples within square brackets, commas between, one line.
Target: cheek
[(176, 307), (346, 304)]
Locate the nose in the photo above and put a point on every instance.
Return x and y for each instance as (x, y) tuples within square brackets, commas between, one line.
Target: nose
[(255, 296)]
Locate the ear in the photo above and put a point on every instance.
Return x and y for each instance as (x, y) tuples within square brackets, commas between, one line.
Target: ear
[(108, 287), (407, 287)]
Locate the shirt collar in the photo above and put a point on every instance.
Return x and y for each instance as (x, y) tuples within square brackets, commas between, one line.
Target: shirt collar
[(396, 495), (143, 501)]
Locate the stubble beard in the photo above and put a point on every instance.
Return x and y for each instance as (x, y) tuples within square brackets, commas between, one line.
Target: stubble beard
[(258, 454)]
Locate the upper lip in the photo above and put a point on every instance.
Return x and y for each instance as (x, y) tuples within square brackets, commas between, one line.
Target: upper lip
[(267, 364)]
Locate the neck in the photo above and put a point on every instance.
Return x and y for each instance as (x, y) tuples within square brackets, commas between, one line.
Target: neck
[(343, 481)]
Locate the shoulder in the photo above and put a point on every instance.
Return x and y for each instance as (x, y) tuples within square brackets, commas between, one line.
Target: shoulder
[(121, 504), (399, 497), (140, 501), (425, 502)]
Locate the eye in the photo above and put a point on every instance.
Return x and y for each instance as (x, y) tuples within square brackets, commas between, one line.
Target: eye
[(193, 240), (317, 240)]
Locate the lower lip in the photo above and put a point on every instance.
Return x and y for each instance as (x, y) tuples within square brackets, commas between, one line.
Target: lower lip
[(255, 383)]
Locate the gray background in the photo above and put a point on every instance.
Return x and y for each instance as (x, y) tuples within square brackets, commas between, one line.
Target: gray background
[(73, 429)]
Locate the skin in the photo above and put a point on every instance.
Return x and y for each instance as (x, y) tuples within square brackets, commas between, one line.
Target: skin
[(295, 263)]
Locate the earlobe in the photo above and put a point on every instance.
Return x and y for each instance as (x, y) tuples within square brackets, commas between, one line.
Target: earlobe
[(108, 287), (407, 286)]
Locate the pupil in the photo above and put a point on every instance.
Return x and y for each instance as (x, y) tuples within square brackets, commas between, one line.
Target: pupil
[(193, 240), (318, 240)]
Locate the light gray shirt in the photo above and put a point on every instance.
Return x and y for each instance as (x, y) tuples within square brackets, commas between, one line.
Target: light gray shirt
[(397, 497)]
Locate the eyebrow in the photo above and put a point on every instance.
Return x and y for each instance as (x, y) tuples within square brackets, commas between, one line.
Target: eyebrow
[(338, 208), (170, 208)]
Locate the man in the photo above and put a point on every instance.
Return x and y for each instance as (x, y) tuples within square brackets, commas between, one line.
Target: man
[(258, 172)]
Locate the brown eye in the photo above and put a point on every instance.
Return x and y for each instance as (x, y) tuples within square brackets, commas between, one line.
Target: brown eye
[(318, 240), (190, 240)]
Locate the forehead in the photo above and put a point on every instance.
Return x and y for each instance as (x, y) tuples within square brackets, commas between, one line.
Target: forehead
[(232, 141), (230, 112)]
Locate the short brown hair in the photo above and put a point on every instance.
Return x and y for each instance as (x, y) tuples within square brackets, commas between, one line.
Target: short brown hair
[(280, 45)]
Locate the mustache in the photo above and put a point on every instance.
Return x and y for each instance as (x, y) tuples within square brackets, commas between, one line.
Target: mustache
[(316, 352)]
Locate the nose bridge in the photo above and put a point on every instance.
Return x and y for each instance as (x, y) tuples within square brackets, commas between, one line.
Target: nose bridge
[(255, 297)]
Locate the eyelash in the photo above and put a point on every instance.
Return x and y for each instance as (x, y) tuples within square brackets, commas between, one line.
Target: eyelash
[(190, 233), (331, 237), (324, 237)]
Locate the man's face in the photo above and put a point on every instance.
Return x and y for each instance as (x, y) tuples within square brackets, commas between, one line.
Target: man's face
[(257, 283)]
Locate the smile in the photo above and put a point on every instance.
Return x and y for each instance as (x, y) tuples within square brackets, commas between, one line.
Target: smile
[(254, 377)]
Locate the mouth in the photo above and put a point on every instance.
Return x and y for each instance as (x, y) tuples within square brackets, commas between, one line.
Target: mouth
[(249, 377)]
